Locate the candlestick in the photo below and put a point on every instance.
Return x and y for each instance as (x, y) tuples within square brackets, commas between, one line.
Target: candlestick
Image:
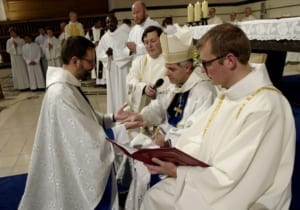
[(197, 12), (190, 13), (204, 9)]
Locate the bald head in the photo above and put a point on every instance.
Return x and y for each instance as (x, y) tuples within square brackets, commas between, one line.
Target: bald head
[(139, 12)]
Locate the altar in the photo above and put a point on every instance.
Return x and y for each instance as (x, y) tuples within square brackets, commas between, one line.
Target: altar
[(272, 36)]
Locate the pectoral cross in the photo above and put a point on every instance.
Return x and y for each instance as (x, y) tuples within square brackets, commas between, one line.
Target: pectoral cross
[(178, 109)]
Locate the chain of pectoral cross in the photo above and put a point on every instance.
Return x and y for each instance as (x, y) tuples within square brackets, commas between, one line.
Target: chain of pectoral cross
[(178, 110)]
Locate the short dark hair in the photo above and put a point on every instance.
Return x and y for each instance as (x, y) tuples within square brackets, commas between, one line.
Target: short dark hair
[(127, 21), (12, 29), (151, 29), (167, 21), (75, 46), (49, 28)]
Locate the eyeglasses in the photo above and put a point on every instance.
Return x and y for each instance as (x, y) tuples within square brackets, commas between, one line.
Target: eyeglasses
[(91, 62), (206, 64)]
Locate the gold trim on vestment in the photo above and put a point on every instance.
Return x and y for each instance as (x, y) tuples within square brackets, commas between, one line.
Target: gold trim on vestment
[(246, 101)]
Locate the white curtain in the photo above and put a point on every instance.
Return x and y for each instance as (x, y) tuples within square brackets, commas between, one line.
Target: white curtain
[(2, 11)]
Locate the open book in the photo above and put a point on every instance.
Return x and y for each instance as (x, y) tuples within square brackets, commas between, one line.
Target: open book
[(170, 154)]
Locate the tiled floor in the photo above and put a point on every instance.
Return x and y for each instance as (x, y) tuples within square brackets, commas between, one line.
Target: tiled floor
[(19, 112)]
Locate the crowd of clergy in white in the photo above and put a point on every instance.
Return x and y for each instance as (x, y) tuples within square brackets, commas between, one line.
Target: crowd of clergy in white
[(36, 54), (225, 112)]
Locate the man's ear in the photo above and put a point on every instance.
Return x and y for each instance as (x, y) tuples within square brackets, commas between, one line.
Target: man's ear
[(231, 61), (74, 60)]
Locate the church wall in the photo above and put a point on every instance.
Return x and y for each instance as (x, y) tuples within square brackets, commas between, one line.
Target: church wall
[(274, 9), (35, 9), (279, 8)]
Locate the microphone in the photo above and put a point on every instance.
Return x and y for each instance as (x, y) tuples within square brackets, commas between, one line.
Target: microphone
[(158, 83)]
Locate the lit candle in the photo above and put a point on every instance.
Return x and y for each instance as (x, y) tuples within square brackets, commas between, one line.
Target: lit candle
[(204, 9), (190, 13), (197, 12)]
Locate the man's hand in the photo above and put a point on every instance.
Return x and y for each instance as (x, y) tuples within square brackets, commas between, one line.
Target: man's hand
[(162, 167), (32, 63), (158, 139), (121, 114), (50, 46), (131, 46), (109, 52), (150, 91)]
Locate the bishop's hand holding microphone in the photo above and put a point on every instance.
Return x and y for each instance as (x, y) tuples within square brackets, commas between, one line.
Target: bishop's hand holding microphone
[(151, 90)]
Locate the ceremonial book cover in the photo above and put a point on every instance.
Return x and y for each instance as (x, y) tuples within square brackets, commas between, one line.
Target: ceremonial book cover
[(170, 154)]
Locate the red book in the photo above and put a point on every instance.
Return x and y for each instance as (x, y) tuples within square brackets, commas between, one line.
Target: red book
[(169, 154)]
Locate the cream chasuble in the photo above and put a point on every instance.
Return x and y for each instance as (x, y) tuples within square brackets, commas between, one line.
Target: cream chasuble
[(145, 70), (71, 160)]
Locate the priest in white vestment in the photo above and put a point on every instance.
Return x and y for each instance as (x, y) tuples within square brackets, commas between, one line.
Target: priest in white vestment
[(135, 45), (115, 63), (52, 49), (248, 15), (145, 71), (40, 40), (213, 18), (71, 163), (73, 28), (62, 35), (247, 137), (94, 34), (18, 66), (32, 54), (188, 94)]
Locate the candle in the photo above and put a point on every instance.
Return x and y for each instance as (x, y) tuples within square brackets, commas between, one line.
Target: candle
[(205, 9), (197, 12), (190, 13)]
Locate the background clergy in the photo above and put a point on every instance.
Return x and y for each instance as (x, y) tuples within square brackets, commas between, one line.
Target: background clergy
[(32, 54), (145, 71), (115, 63), (94, 34), (135, 45), (18, 66), (52, 49), (247, 137), (73, 28)]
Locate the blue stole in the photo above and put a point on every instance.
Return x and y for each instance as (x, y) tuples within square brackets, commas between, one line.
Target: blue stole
[(105, 203), (176, 108)]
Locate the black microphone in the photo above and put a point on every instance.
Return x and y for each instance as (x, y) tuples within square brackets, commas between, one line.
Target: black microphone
[(158, 83)]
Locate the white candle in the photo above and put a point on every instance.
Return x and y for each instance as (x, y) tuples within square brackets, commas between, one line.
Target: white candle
[(190, 13), (204, 9), (197, 12)]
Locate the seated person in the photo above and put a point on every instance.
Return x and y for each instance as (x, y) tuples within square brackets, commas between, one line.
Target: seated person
[(187, 94), (247, 137)]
